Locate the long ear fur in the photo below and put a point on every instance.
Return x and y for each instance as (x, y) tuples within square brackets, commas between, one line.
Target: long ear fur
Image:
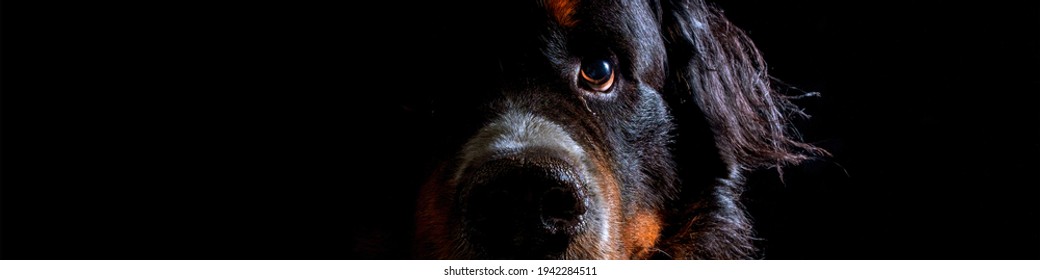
[(729, 83), (717, 67)]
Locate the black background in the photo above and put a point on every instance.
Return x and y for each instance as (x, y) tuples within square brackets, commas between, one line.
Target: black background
[(273, 131)]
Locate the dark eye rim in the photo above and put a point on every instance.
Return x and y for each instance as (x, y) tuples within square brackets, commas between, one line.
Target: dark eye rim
[(604, 85)]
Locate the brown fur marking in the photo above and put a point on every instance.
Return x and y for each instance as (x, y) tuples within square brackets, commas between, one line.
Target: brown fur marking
[(563, 11)]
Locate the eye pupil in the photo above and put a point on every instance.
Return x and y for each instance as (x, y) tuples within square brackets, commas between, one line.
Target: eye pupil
[(597, 70), (598, 74)]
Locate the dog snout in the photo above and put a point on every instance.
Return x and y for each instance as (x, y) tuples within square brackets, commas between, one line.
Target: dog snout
[(526, 206)]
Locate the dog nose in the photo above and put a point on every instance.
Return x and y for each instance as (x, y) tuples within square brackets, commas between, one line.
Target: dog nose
[(529, 208)]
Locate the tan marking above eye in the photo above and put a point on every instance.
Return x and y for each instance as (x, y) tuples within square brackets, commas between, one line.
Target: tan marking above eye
[(563, 11)]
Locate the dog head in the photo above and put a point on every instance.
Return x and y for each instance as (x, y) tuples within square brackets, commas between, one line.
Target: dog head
[(600, 130)]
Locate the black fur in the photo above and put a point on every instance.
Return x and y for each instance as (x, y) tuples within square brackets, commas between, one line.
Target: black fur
[(690, 112)]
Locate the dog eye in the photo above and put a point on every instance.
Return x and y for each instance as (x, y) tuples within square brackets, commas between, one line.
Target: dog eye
[(598, 74)]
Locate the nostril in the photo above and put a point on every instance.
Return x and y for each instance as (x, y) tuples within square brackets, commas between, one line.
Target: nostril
[(485, 205), (561, 209)]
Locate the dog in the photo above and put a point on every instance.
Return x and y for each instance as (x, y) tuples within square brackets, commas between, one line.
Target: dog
[(600, 130)]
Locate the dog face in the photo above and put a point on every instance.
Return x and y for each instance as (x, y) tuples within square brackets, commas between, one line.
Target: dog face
[(608, 130)]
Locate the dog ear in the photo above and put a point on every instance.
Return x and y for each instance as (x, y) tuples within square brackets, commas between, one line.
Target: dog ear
[(721, 71), (736, 124)]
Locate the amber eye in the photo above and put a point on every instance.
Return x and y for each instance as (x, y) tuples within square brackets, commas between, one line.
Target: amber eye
[(598, 74)]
